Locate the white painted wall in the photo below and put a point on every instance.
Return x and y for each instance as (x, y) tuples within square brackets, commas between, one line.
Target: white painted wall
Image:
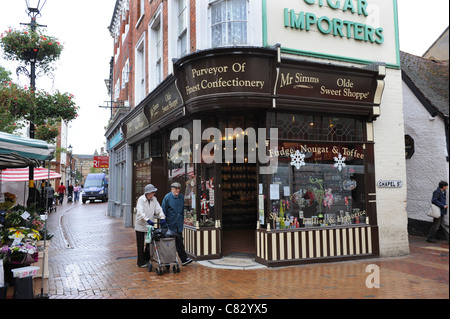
[(428, 165), (390, 165)]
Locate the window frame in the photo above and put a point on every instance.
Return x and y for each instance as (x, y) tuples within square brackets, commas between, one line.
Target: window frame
[(227, 22)]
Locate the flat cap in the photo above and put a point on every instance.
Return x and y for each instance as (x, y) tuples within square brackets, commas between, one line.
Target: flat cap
[(176, 185)]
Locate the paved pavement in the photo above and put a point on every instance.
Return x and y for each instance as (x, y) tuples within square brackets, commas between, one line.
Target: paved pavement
[(92, 256)]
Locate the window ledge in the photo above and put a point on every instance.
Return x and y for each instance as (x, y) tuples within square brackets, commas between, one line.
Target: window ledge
[(140, 20)]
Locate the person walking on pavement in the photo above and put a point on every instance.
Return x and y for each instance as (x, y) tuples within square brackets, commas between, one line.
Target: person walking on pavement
[(61, 192), (76, 192), (439, 199), (173, 207), (147, 209), (69, 192), (49, 192)]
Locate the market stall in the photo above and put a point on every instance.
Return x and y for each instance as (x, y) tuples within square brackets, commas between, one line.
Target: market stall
[(15, 180), (20, 227)]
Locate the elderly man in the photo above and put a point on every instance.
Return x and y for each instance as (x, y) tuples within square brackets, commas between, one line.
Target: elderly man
[(173, 207), (147, 209)]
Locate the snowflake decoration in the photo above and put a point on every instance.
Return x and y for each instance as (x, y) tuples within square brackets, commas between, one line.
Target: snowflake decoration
[(339, 162), (298, 159)]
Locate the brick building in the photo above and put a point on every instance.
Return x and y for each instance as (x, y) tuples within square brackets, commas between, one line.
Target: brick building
[(318, 83)]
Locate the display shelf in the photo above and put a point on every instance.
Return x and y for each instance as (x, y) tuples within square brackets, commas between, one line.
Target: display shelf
[(239, 183)]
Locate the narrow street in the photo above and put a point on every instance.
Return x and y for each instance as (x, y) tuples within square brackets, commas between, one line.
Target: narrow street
[(92, 256)]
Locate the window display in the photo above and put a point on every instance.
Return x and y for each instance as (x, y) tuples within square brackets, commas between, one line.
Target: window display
[(316, 185), (190, 209), (142, 168)]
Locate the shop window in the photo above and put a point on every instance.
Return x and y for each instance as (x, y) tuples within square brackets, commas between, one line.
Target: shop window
[(317, 184), (142, 168), (186, 175), (228, 22), (293, 126), (156, 146)]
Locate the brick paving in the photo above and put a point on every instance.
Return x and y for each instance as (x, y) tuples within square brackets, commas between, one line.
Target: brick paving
[(94, 258)]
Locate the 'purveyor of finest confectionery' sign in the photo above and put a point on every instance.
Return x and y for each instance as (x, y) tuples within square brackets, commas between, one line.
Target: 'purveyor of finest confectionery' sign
[(223, 74), (351, 30)]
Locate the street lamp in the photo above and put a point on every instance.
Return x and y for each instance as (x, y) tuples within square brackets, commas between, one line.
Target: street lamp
[(70, 149), (34, 7)]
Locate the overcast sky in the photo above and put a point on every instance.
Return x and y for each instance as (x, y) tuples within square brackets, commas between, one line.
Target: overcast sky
[(82, 27)]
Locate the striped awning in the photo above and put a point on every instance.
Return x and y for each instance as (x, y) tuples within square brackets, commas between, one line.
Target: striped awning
[(17, 151), (22, 174)]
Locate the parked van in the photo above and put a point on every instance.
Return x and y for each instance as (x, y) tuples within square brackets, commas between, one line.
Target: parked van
[(95, 187)]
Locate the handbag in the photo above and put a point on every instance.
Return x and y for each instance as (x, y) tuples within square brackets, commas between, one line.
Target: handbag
[(434, 211)]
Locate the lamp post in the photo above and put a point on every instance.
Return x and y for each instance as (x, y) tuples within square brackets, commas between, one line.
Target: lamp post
[(34, 8), (70, 149)]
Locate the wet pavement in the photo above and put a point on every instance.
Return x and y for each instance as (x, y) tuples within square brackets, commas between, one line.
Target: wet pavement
[(92, 256)]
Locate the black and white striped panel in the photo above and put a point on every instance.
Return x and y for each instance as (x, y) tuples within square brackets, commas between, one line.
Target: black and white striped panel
[(314, 243)]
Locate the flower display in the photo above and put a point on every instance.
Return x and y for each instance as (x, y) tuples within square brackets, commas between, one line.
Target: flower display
[(19, 234), (23, 233), (23, 252), (26, 45)]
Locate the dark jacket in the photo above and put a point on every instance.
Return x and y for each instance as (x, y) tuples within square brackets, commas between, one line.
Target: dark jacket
[(440, 199), (173, 208)]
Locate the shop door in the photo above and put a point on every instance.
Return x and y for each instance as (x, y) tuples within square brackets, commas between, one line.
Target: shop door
[(239, 210)]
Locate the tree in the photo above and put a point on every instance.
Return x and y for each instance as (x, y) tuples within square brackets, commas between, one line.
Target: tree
[(39, 107), (9, 122)]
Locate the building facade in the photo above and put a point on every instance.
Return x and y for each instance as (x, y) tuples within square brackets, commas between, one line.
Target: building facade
[(282, 121)]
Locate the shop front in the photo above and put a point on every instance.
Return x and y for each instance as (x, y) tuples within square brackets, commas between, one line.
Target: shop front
[(276, 156)]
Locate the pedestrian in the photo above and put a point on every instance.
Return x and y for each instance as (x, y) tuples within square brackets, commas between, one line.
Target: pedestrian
[(61, 192), (49, 194), (147, 209), (173, 207), (76, 192), (69, 193), (439, 199)]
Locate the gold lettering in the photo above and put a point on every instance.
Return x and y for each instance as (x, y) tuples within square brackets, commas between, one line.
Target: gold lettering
[(325, 91)]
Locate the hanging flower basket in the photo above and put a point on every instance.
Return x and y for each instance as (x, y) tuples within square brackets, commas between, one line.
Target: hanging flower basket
[(26, 45), (43, 109), (46, 132)]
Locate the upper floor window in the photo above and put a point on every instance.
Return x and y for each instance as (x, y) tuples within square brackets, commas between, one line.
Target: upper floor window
[(228, 22), (156, 51), (140, 71), (141, 8), (182, 42)]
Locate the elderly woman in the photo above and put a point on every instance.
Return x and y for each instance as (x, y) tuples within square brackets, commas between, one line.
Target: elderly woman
[(147, 209)]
